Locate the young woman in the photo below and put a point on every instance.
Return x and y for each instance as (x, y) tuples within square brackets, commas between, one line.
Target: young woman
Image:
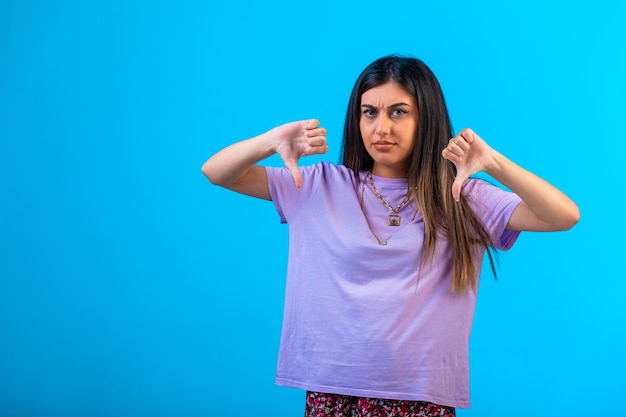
[(386, 248)]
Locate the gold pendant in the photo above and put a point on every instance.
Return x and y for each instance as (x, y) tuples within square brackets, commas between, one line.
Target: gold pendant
[(393, 220)]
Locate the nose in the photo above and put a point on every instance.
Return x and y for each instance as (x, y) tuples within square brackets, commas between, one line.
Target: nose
[(383, 126)]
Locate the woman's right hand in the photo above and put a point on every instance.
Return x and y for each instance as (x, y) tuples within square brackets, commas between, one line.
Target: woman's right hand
[(296, 139), (234, 167)]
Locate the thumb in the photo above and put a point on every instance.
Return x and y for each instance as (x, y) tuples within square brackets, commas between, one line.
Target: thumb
[(292, 166), (457, 185)]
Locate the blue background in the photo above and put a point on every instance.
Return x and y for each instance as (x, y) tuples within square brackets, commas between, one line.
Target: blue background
[(129, 286)]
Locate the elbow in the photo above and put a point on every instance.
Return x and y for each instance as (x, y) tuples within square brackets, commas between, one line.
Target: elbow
[(209, 173), (575, 217), (570, 219)]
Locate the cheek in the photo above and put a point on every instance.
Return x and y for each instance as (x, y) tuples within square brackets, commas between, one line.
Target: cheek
[(410, 130), (365, 127)]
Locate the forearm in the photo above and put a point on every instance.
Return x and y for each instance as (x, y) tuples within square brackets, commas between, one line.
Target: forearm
[(552, 208), (231, 163), (234, 166)]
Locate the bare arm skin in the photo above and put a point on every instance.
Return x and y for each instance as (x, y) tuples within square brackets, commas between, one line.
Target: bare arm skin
[(543, 208), (234, 167)]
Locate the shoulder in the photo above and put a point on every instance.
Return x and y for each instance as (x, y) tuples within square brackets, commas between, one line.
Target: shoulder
[(327, 170), (326, 175), (486, 196), (476, 186), (320, 168), (315, 176)]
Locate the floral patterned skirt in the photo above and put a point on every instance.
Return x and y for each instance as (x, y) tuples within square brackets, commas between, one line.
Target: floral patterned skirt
[(333, 405)]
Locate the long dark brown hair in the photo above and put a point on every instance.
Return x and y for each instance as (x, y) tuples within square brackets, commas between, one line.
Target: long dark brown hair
[(430, 176)]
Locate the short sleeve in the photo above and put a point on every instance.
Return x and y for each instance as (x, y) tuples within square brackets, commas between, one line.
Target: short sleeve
[(286, 198), (494, 206)]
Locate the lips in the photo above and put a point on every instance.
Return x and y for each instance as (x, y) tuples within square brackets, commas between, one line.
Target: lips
[(382, 145)]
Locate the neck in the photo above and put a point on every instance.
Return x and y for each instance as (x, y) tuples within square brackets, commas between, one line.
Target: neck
[(389, 172)]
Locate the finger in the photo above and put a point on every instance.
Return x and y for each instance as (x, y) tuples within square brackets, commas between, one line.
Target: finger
[(311, 124), (312, 150), (319, 149), (467, 134), (453, 152), (461, 142), (448, 155), (317, 141), (315, 132), (458, 146)]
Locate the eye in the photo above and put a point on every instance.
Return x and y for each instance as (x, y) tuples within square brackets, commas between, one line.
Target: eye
[(369, 112), (398, 112)]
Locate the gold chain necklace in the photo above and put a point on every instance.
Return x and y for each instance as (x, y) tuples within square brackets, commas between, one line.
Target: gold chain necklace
[(394, 210), (394, 218), (380, 242)]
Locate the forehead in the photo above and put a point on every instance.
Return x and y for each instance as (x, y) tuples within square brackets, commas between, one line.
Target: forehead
[(389, 93)]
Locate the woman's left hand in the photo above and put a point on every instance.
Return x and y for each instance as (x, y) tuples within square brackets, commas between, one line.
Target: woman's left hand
[(543, 208), (470, 154)]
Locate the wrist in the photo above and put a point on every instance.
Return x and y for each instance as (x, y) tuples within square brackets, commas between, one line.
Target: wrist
[(269, 142), (494, 163)]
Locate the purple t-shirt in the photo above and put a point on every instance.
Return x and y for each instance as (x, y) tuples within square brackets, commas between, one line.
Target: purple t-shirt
[(361, 318)]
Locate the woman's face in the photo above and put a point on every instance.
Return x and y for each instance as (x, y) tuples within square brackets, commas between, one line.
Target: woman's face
[(388, 124)]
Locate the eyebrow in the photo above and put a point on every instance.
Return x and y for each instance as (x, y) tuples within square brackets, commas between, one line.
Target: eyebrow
[(389, 107)]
